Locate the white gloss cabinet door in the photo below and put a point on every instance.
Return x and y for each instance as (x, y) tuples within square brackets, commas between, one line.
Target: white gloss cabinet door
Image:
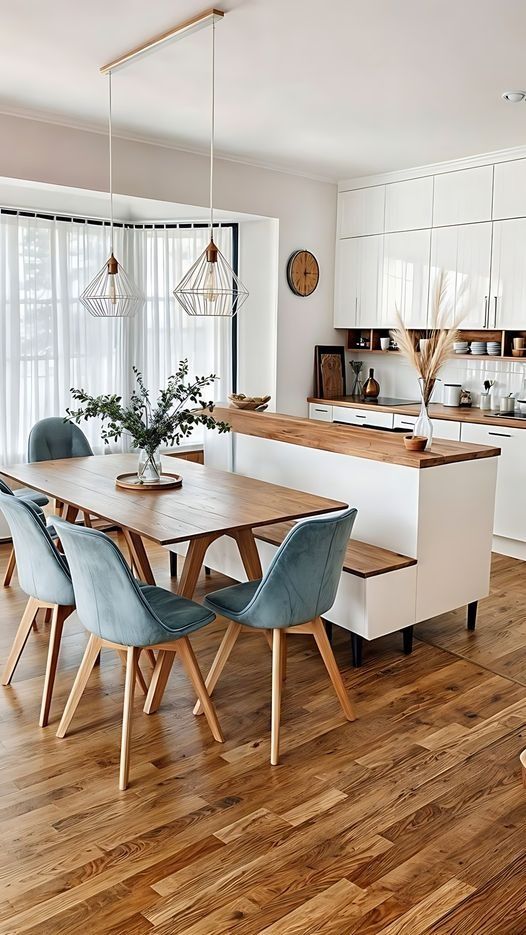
[(405, 278), (358, 281), (508, 274), (510, 503), (463, 197), (463, 253), (361, 212), (509, 192), (409, 204)]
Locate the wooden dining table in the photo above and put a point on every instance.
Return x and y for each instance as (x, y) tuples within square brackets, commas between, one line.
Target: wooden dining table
[(209, 504)]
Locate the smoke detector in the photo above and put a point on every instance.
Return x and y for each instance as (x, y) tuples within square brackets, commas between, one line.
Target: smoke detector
[(514, 97)]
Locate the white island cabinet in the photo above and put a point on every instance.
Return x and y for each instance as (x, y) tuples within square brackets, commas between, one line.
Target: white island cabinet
[(433, 508)]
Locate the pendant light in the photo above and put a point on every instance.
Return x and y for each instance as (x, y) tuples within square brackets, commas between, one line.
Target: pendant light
[(211, 287), (112, 294)]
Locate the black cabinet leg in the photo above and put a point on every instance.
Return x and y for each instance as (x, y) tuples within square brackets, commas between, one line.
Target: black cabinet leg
[(207, 570), (407, 637), (357, 647), (328, 629), (472, 615), (173, 564)]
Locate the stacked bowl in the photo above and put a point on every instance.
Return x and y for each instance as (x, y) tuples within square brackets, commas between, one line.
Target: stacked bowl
[(479, 348), (494, 348), (461, 347)]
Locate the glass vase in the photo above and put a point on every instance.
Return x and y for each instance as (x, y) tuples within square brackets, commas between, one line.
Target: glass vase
[(423, 426), (149, 468)]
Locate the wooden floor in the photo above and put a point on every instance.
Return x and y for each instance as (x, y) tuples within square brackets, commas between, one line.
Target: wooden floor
[(410, 820)]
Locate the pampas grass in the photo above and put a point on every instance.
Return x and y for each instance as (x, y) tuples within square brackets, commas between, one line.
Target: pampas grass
[(441, 336)]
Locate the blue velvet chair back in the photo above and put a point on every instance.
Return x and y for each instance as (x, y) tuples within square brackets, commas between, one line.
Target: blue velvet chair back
[(53, 438), (302, 579), (42, 572), (109, 602)]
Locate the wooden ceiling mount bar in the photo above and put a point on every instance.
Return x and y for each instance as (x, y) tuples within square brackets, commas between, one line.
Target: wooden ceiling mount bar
[(176, 32)]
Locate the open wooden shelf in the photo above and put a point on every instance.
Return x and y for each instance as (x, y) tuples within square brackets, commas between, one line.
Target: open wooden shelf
[(373, 335)]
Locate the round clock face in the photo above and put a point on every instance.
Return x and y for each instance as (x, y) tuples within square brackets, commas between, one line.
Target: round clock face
[(303, 272)]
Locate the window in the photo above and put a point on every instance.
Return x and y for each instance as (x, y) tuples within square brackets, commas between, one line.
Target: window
[(49, 342)]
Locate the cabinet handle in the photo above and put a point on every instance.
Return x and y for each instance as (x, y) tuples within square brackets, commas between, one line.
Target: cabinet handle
[(410, 424), (321, 410), (486, 310), (501, 434), (495, 312), (360, 417)]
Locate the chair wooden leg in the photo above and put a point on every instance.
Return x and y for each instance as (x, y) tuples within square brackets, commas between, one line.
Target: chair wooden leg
[(284, 656), (59, 615), (88, 661), (133, 653), (227, 644), (161, 673), (187, 657), (151, 656), (123, 653), (277, 684), (20, 640), (326, 653), (10, 570), (48, 615)]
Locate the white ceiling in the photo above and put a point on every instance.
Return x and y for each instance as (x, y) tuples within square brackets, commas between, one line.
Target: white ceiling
[(339, 89)]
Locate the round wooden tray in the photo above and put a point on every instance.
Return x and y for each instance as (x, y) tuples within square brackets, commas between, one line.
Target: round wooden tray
[(131, 482)]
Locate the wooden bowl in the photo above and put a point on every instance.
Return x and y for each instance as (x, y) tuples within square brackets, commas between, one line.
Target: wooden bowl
[(415, 442), (518, 351), (248, 402)]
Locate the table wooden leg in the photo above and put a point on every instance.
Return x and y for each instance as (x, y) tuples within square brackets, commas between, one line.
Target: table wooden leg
[(139, 556), (193, 563), (69, 513), (248, 551)]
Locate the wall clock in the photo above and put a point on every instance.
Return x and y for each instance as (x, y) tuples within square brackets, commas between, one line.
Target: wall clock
[(303, 272)]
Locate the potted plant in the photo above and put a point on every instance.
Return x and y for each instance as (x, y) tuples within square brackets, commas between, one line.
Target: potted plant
[(179, 408)]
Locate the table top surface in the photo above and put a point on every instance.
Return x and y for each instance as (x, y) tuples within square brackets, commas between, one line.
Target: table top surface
[(209, 500)]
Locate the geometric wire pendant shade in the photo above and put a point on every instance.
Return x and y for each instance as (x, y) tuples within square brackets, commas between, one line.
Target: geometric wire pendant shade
[(112, 294), (211, 287)]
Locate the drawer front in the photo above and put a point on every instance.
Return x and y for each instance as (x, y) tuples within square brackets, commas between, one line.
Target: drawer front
[(442, 428), (319, 412), (368, 417), (510, 503)]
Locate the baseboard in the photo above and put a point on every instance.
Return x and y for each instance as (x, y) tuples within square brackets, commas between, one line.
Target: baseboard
[(512, 547)]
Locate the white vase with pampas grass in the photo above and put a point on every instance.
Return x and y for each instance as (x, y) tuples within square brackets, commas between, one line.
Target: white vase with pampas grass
[(435, 349)]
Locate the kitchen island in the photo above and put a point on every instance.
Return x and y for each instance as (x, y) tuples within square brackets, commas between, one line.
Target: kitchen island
[(435, 508)]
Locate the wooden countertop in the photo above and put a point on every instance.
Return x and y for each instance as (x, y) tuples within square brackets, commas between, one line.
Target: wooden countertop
[(357, 442), (436, 411)]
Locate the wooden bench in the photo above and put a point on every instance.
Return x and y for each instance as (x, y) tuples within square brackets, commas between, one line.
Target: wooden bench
[(362, 560)]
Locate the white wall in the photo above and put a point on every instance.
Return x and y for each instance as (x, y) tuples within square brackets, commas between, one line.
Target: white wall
[(305, 209), (257, 321)]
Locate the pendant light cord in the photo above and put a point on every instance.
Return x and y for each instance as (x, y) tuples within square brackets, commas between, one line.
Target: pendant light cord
[(212, 130), (111, 162)]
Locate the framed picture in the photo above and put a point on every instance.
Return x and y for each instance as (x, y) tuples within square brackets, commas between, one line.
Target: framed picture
[(329, 371)]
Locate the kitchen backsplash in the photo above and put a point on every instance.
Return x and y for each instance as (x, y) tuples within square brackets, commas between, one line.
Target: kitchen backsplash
[(397, 378)]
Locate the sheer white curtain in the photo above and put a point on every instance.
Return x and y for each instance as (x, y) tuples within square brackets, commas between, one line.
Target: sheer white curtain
[(49, 342)]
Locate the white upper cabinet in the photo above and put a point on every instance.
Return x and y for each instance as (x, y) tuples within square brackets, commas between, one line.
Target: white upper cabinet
[(463, 197), (508, 274), (509, 194), (409, 205), (358, 282), (405, 278), (463, 253), (361, 212)]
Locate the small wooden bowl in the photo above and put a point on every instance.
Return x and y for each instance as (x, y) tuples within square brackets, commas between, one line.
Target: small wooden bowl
[(518, 351), (248, 402), (415, 442)]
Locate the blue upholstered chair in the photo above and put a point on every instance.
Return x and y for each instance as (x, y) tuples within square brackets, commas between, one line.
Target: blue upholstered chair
[(35, 497), (52, 439), (299, 586), (120, 613), (43, 575)]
